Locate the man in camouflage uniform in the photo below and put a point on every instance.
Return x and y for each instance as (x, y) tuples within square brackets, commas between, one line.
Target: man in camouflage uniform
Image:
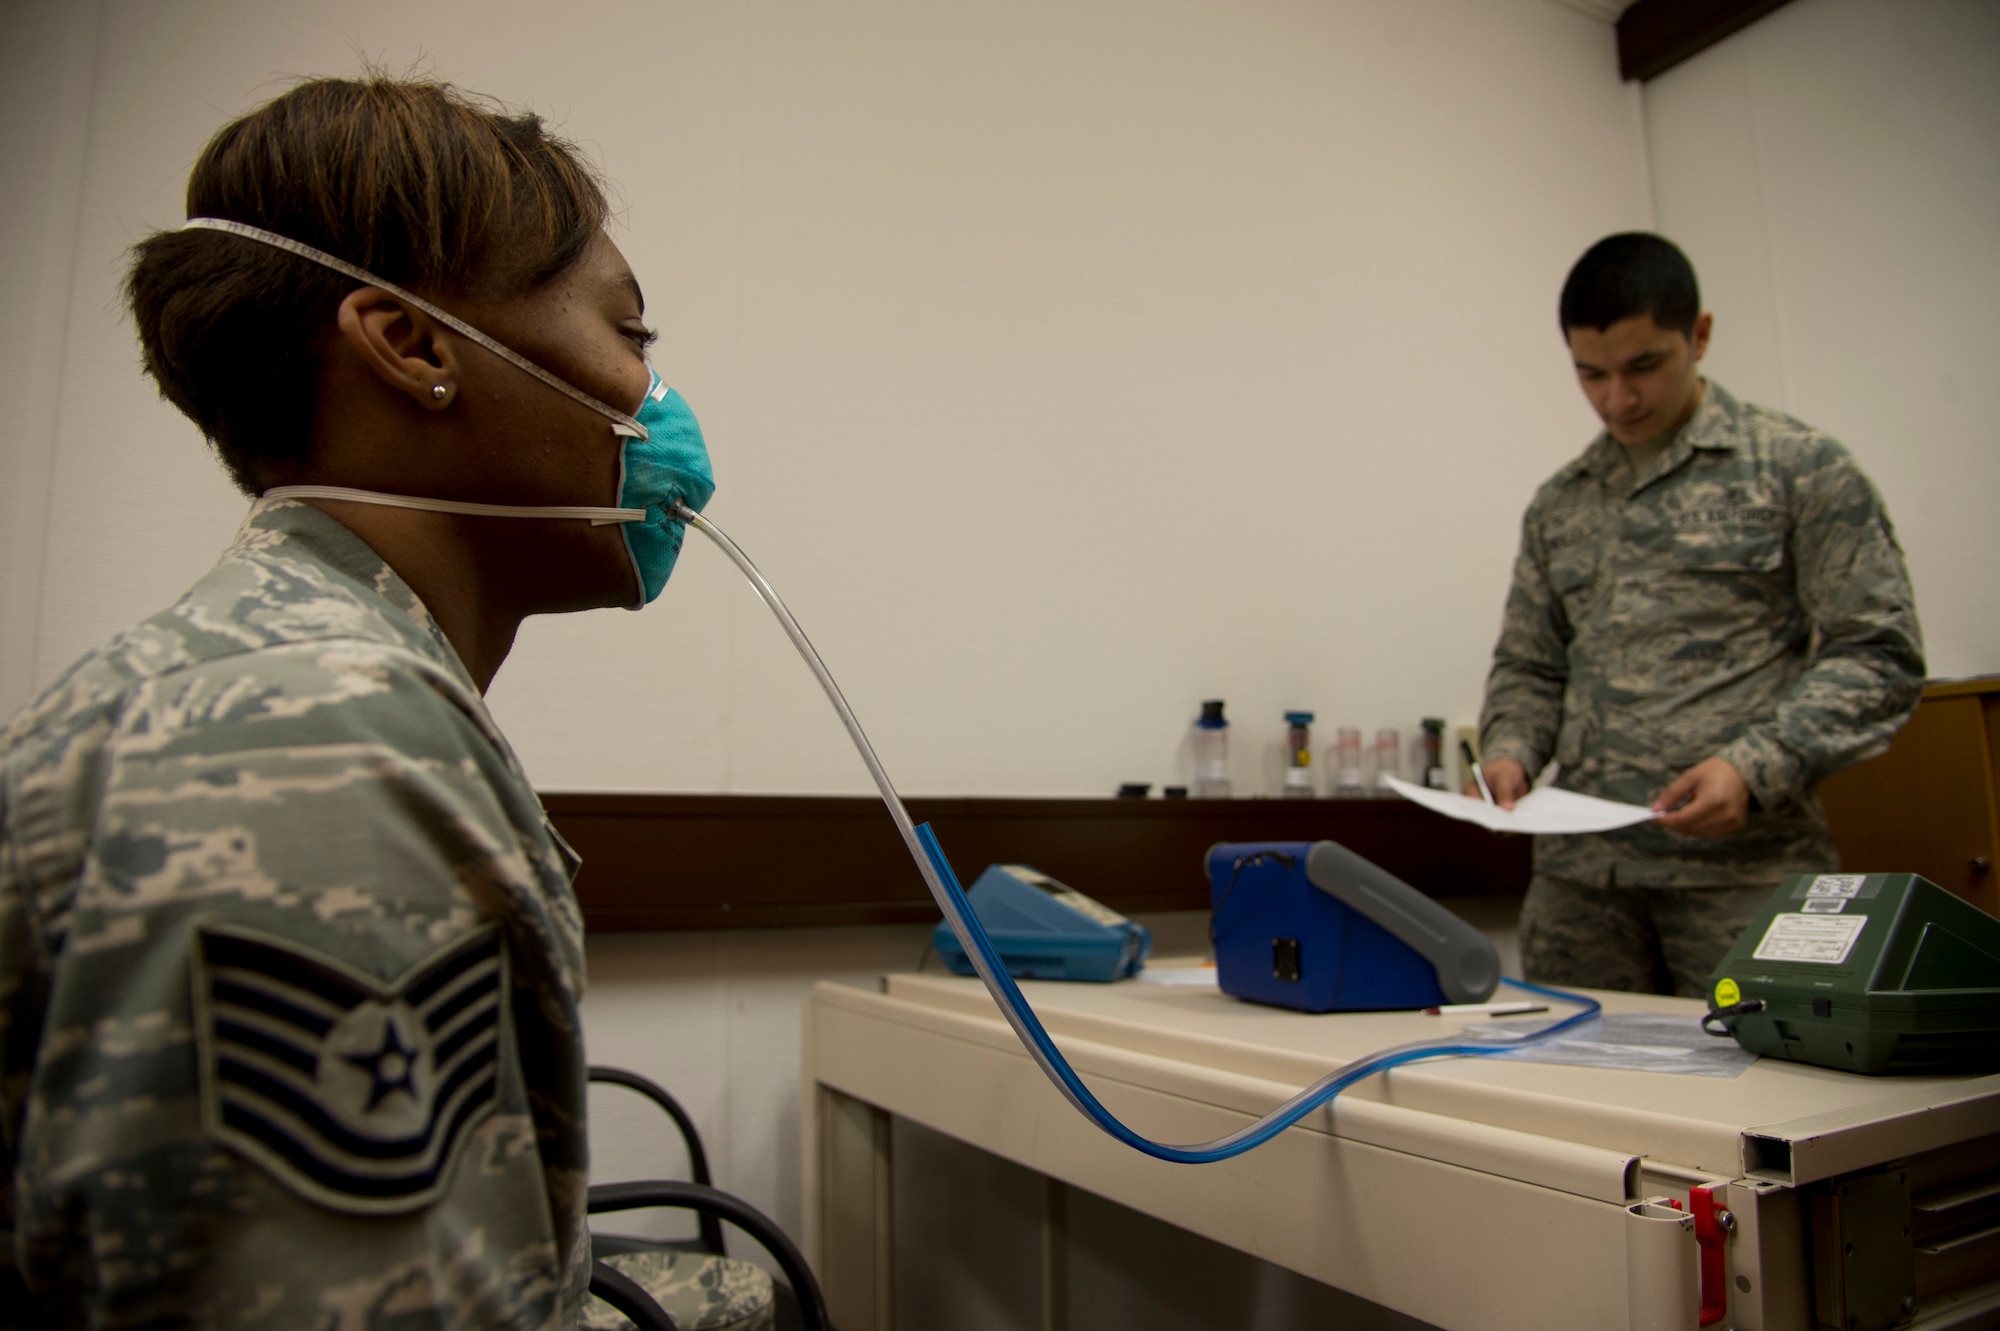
[(1709, 615)]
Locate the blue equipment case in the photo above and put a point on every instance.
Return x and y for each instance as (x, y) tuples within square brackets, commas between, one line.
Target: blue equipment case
[(1313, 926), (1044, 930)]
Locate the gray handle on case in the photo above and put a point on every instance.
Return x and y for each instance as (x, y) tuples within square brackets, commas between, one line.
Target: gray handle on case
[(1468, 968)]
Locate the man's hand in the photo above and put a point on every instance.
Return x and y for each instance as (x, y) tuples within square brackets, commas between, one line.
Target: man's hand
[(1709, 800), (1507, 779)]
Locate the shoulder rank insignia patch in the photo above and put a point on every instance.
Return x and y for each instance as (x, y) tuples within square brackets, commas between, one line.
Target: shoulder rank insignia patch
[(354, 1095)]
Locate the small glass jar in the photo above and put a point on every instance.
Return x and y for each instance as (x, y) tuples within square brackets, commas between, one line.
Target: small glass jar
[(1350, 780)]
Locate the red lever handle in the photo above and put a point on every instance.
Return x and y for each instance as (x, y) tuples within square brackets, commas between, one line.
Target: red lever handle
[(1710, 1233)]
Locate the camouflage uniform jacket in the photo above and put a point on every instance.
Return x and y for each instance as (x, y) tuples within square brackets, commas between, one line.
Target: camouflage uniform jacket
[(1746, 598), (289, 971)]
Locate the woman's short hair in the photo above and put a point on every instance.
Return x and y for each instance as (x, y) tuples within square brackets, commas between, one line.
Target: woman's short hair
[(416, 181)]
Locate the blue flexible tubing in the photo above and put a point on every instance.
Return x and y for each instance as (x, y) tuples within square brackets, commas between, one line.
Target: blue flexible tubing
[(950, 897)]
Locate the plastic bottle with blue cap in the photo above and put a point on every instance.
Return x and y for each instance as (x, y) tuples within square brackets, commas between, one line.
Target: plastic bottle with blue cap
[(1211, 752), (1298, 756)]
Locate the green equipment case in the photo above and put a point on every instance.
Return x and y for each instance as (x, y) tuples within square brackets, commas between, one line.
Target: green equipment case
[(1880, 972)]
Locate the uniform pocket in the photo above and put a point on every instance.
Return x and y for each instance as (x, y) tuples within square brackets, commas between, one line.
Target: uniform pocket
[(1572, 567), (1572, 738)]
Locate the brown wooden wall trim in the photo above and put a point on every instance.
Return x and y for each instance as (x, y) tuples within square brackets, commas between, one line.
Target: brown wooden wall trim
[(1656, 35), (763, 861)]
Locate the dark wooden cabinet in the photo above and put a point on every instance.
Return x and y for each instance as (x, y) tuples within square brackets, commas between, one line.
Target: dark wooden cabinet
[(1931, 804), (758, 861)]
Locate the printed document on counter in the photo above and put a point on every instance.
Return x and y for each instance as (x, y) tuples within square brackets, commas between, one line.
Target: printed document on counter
[(1547, 811)]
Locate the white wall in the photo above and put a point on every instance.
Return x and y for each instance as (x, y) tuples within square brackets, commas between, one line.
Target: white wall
[(46, 63), (1834, 172), (1064, 363)]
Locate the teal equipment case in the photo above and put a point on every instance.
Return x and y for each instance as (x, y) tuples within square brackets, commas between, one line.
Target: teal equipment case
[(1879, 972), (1045, 930)]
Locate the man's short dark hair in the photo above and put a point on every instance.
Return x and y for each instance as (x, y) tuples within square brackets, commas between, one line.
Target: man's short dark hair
[(1631, 273), (424, 185)]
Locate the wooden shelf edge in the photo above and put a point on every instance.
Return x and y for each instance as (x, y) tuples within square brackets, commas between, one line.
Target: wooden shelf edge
[(706, 861), (1960, 688)]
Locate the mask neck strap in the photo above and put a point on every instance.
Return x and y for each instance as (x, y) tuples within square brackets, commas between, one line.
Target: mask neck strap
[(621, 424), (596, 517)]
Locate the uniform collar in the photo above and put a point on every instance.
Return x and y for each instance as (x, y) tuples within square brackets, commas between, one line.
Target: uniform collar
[(274, 526), (1712, 429)]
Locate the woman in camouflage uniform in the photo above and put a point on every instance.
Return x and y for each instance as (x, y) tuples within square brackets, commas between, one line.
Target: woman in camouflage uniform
[(291, 960)]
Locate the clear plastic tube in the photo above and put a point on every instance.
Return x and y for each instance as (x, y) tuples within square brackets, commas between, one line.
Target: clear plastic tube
[(950, 897)]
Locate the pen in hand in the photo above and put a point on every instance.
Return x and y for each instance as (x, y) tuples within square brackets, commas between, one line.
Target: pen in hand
[(1472, 765)]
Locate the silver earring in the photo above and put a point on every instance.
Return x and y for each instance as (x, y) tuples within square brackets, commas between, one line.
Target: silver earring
[(438, 392)]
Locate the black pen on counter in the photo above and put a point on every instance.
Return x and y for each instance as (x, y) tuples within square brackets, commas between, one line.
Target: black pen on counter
[(1472, 766)]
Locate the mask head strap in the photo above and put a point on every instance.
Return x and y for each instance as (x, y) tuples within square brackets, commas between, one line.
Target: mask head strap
[(621, 424), (594, 515)]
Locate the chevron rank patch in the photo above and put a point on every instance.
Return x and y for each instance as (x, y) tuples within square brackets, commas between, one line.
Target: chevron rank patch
[(355, 1096)]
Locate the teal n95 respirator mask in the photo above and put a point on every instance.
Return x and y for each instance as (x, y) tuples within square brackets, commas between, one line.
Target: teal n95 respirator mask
[(662, 463)]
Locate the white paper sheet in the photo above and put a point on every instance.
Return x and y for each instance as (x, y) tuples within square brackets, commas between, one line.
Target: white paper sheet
[(1547, 811)]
